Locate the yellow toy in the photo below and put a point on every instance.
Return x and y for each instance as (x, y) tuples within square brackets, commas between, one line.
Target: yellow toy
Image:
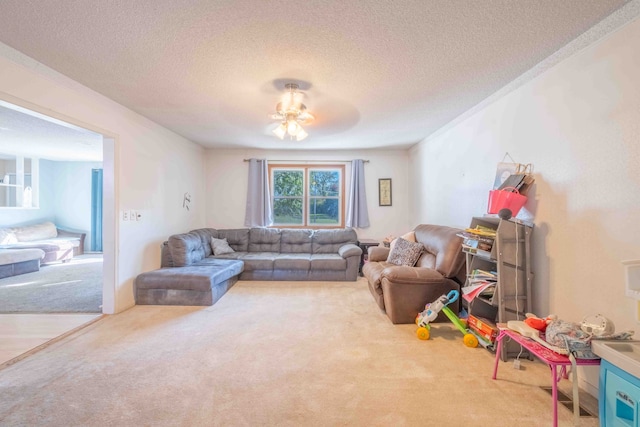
[(430, 313)]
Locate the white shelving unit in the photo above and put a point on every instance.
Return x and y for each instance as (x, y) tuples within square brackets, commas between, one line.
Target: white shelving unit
[(19, 173)]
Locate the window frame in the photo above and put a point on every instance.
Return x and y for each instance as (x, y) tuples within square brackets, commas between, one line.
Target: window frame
[(306, 196)]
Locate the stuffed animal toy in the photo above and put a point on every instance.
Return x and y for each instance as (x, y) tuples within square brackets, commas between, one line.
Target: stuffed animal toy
[(538, 323)]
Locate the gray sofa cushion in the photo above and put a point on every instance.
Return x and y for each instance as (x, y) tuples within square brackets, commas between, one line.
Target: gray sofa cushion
[(258, 261), (190, 285), (186, 249), (348, 250), (296, 241), (192, 277), (264, 240), (165, 255), (292, 262), (238, 238), (321, 262), (205, 235), (329, 241), (231, 255)]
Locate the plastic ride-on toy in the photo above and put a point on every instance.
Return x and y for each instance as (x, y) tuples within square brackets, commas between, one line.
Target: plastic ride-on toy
[(430, 313)]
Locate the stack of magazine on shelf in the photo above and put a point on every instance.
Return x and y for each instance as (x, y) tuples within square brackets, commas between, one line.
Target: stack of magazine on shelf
[(478, 240), (480, 283)]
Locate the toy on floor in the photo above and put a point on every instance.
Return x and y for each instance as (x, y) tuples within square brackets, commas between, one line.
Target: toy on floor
[(430, 313)]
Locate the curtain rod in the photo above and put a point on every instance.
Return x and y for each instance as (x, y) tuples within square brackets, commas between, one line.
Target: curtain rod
[(308, 161)]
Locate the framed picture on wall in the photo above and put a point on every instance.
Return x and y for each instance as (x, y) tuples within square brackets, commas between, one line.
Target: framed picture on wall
[(384, 191)]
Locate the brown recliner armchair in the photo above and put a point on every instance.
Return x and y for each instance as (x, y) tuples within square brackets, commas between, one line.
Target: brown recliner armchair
[(402, 291)]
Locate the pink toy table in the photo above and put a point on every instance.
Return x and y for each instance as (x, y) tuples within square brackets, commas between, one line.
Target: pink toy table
[(552, 359)]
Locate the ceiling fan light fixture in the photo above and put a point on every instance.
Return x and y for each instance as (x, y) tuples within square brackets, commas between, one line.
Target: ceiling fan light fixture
[(301, 134), (280, 131), (292, 127), (290, 111)]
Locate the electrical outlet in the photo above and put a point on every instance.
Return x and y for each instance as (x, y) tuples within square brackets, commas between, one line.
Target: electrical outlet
[(516, 364), (125, 215), (138, 215)]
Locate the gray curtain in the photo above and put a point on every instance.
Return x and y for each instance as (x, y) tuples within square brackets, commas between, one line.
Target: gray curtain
[(357, 214), (258, 213)]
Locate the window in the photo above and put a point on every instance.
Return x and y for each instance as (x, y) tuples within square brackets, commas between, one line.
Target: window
[(307, 196)]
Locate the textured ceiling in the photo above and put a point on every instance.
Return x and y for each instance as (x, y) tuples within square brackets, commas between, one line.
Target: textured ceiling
[(375, 73), (29, 134)]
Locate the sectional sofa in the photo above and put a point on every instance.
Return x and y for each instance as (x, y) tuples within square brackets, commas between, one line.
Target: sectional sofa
[(192, 273), (24, 249), (57, 244)]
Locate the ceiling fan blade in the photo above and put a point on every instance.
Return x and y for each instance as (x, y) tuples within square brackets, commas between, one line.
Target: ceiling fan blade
[(306, 117)]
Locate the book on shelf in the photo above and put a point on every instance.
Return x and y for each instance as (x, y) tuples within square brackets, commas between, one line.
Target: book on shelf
[(484, 288), (483, 275), (481, 238), (476, 251), (482, 231), (478, 240), (481, 243)]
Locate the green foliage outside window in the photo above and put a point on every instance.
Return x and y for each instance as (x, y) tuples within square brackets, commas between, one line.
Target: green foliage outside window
[(288, 190), (324, 189), (323, 195), (288, 183)]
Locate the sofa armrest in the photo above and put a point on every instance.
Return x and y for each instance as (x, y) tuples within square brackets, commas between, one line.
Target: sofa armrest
[(349, 250), (412, 275), (378, 253), (80, 235)]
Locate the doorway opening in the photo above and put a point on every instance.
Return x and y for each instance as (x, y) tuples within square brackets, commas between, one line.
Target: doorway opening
[(72, 187)]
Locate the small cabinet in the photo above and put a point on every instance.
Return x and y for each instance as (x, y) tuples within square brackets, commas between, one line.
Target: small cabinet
[(509, 258), (619, 399)]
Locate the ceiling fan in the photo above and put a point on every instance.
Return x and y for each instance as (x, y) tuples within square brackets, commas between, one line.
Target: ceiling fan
[(291, 112)]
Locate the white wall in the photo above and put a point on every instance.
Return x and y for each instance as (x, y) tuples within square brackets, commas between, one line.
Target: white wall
[(153, 166), (73, 196), (227, 176), (65, 198), (578, 124)]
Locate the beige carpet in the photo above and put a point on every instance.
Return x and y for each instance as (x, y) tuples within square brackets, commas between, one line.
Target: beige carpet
[(271, 354), (69, 287)]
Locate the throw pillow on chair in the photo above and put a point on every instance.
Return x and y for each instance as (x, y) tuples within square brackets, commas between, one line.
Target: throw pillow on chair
[(405, 252)]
